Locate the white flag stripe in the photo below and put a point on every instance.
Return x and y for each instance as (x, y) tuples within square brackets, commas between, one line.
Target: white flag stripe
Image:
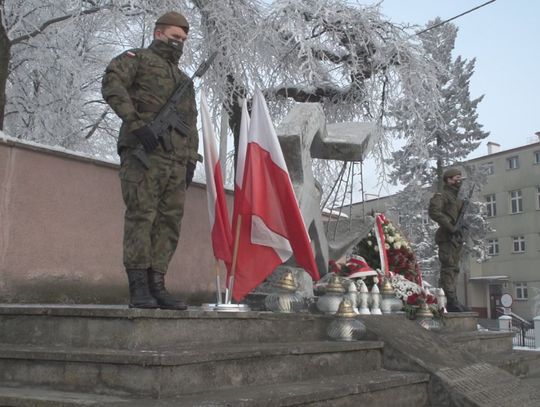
[(242, 145), (263, 132), (261, 234)]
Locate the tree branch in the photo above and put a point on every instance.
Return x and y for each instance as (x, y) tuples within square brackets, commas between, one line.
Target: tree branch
[(54, 21), (302, 95), (96, 124)]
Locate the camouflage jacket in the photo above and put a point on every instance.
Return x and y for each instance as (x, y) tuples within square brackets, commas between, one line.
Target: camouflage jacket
[(444, 208), (136, 84)]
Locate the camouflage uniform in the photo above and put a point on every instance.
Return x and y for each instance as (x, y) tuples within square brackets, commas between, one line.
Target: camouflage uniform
[(136, 85), (444, 208)]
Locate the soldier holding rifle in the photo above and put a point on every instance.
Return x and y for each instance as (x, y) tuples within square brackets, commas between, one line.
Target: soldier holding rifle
[(447, 209), (155, 169)]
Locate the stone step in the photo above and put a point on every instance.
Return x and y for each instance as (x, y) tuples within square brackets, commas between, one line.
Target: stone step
[(368, 389), (481, 341), (184, 369), (523, 364), (118, 327), (459, 322), (21, 396)]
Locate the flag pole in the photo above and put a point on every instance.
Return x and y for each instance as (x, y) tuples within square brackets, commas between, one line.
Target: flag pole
[(234, 259), (218, 282)]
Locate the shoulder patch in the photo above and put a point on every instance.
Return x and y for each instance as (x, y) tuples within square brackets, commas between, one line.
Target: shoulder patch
[(131, 54)]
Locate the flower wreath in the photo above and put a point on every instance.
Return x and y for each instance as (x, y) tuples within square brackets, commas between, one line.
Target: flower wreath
[(397, 250)]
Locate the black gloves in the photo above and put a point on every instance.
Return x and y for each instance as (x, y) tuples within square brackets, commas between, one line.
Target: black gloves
[(190, 171), (147, 138)]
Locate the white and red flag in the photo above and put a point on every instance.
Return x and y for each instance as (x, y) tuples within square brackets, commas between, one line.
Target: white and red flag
[(240, 161), (217, 205), (272, 228), (381, 242), (238, 179)]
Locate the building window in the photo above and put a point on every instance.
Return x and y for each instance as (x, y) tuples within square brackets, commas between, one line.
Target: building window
[(521, 291), (538, 197), (493, 247), (491, 206), (488, 168), (519, 244), (512, 163), (537, 157), (516, 202)]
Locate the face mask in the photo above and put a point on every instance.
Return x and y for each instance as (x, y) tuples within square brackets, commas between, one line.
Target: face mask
[(177, 48)]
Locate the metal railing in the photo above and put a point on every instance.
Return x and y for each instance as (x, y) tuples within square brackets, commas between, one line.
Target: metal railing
[(523, 330)]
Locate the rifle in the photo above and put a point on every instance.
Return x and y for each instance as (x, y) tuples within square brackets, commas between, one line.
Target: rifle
[(460, 226), (168, 116)]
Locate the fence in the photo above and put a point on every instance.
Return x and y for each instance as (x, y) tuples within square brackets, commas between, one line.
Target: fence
[(524, 332)]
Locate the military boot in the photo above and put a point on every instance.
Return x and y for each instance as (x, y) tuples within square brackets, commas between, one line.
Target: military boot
[(454, 305), (463, 307), (158, 291), (138, 290)]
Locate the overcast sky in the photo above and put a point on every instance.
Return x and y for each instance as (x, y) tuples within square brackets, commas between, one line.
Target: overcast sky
[(504, 37)]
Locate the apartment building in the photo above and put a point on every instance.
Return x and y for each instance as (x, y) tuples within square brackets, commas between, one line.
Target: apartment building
[(512, 197)]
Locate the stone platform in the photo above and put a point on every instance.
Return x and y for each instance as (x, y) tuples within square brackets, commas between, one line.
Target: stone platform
[(53, 355)]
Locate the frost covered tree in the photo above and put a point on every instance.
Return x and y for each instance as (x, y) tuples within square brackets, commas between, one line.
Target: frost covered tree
[(409, 208), (449, 133), (49, 71), (52, 57), (444, 137), (347, 57)]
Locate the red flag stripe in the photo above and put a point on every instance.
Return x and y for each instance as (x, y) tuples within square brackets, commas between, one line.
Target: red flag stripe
[(271, 218), (221, 234)]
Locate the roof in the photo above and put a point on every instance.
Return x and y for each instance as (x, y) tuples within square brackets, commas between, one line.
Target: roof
[(505, 152)]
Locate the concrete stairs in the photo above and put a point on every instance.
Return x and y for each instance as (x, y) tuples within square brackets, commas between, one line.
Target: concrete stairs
[(114, 356), (460, 373), (492, 346), (462, 330)]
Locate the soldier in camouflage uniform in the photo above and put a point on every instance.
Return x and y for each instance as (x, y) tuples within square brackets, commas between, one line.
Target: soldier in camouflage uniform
[(136, 84), (444, 208)]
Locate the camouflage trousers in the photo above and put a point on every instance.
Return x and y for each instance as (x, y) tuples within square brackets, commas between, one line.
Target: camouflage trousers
[(449, 256), (154, 199)]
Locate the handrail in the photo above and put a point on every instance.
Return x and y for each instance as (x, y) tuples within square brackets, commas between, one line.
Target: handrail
[(515, 317)]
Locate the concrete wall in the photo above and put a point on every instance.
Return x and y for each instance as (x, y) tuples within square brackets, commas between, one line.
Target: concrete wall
[(61, 221)]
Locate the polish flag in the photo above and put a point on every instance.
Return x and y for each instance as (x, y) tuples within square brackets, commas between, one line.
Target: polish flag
[(239, 174), (217, 205), (272, 227)]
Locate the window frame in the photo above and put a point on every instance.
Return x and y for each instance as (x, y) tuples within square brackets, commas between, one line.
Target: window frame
[(536, 155), (491, 204), (520, 241), (510, 160), (489, 168), (518, 200), (521, 288), (493, 244)]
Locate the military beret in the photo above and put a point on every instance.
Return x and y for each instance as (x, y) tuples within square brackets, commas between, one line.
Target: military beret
[(173, 18), (451, 172)]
